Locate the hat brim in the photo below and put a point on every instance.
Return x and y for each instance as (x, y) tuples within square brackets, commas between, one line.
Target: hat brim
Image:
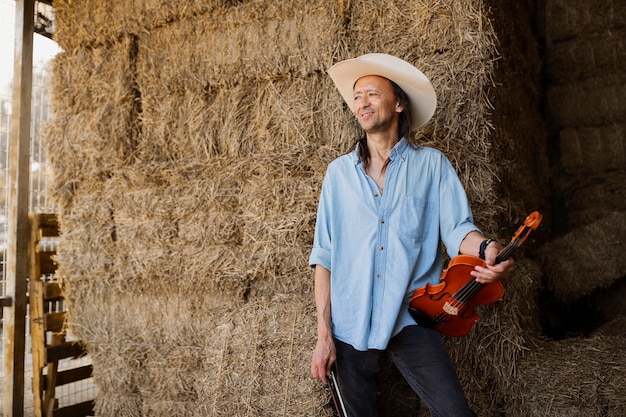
[(415, 84)]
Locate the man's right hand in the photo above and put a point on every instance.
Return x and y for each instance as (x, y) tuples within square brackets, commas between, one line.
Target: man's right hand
[(323, 359)]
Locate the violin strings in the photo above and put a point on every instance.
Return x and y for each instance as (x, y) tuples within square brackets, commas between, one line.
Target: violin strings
[(471, 288)]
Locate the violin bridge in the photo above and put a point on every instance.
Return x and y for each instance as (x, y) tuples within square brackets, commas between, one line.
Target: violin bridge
[(450, 309)]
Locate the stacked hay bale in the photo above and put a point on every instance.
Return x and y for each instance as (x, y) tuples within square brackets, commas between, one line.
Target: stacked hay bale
[(189, 146), (571, 278), (186, 230)]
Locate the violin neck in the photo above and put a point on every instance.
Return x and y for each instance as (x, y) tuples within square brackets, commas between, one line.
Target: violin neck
[(507, 251)]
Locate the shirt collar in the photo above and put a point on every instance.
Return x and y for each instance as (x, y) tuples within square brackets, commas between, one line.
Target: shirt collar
[(399, 150)]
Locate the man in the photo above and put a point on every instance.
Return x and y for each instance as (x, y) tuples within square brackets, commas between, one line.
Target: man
[(384, 211)]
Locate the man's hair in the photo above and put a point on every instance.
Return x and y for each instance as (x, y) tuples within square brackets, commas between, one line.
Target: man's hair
[(405, 121), (405, 124)]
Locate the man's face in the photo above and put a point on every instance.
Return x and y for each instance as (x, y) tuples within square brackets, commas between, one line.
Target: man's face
[(375, 104)]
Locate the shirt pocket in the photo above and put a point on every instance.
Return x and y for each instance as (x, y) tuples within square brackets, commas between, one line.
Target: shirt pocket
[(413, 218)]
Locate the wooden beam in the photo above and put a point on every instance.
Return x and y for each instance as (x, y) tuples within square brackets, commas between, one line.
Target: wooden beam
[(65, 350), (52, 291), (5, 302), (69, 376), (14, 329), (82, 409)]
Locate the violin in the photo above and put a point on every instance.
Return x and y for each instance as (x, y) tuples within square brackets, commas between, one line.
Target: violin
[(450, 306)]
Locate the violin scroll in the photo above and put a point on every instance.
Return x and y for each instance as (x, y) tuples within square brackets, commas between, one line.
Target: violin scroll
[(532, 222)]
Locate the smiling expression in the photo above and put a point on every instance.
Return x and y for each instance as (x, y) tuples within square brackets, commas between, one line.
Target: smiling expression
[(375, 104)]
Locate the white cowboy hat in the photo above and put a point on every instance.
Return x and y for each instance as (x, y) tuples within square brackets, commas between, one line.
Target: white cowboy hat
[(415, 84)]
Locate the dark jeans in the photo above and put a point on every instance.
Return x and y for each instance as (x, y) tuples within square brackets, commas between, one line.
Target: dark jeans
[(421, 357)]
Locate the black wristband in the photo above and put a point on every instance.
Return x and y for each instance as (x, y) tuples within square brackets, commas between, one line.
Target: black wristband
[(483, 246)]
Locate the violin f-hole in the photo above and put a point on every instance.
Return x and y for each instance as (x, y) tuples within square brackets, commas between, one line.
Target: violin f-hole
[(434, 297)]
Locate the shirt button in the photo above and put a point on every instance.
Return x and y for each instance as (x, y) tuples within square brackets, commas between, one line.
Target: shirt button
[(382, 221), (379, 276), (381, 248)]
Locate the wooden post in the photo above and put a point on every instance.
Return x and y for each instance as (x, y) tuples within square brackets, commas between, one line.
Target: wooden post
[(37, 334), (17, 265)]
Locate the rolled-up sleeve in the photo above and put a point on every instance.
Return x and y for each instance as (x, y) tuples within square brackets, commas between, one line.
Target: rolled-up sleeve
[(321, 253)]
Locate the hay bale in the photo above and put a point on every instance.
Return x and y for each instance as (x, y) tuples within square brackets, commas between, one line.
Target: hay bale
[(95, 127), (85, 256), (593, 197), (587, 259), (593, 55), (615, 327), (253, 40), (265, 120), (178, 226), (574, 377), (591, 102), (94, 24), (247, 360), (276, 233), (573, 18), (593, 150)]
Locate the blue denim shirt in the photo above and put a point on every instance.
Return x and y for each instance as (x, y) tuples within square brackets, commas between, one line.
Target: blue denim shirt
[(380, 248)]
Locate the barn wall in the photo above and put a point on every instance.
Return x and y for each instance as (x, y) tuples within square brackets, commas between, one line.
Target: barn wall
[(188, 149)]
